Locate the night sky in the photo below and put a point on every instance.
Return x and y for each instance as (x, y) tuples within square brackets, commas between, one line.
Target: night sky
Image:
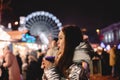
[(88, 14)]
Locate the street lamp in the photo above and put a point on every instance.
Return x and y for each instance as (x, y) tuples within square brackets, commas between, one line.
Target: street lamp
[(98, 31), (16, 23)]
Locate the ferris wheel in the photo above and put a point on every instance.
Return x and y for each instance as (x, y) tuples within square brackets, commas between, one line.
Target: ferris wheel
[(43, 24)]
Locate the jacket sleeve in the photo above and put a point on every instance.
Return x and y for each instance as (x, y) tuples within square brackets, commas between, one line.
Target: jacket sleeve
[(51, 74), (76, 72)]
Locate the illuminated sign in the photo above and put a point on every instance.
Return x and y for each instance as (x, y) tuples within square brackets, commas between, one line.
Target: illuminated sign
[(28, 38)]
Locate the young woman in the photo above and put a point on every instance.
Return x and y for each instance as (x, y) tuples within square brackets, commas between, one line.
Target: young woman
[(63, 67)]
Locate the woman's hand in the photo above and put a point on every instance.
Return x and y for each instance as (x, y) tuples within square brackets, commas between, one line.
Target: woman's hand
[(46, 64), (84, 65)]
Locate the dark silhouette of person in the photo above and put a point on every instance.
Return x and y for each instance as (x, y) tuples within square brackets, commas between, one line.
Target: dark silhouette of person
[(105, 63), (5, 74), (32, 72), (40, 56), (19, 61)]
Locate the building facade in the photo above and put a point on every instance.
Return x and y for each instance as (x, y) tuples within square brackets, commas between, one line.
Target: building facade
[(111, 34)]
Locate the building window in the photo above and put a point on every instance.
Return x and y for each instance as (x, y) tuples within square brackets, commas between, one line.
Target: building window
[(106, 38), (109, 37)]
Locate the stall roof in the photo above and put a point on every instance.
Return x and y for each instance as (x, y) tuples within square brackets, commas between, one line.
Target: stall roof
[(16, 35)]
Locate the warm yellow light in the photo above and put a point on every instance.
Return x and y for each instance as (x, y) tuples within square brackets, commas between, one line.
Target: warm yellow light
[(84, 29), (16, 23), (98, 31)]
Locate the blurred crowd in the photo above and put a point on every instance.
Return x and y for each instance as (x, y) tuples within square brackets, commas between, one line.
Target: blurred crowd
[(32, 65)]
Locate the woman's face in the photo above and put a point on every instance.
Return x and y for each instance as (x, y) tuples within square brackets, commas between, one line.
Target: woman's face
[(61, 43), (61, 40)]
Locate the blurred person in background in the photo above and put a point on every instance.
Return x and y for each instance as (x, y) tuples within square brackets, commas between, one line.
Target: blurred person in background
[(3, 71), (19, 60), (112, 60), (32, 72), (11, 63), (117, 65), (40, 56), (84, 53), (53, 49)]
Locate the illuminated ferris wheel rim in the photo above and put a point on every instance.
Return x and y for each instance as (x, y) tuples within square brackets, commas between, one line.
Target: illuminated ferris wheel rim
[(44, 13), (43, 24)]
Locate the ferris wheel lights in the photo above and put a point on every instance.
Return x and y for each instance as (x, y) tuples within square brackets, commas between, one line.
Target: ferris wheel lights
[(54, 18), (59, 24), (42, 13), (37, 13), (43, 22), (34, 14), (46, 14), (57, 21), (50, 15), (27, 18)]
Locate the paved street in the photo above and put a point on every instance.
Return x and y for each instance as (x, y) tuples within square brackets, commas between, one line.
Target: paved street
[(99, 77)]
